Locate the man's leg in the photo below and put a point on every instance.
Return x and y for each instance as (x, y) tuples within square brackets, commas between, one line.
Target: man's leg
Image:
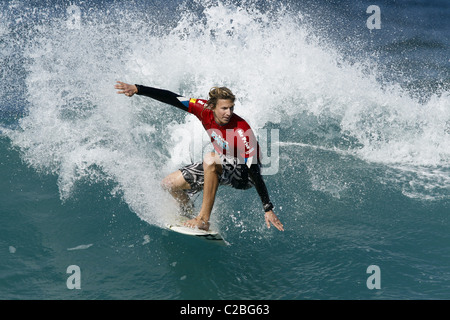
[(212, 168), (176, 185)]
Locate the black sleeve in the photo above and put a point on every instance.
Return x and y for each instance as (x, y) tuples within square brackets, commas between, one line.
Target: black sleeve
[(161, 95), (255, 174)]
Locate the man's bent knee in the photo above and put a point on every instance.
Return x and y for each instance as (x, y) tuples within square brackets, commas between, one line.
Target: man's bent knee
[(174, 181), (166, 183)]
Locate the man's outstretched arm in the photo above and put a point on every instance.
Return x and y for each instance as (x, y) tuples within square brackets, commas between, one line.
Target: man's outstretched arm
[(161, 95)]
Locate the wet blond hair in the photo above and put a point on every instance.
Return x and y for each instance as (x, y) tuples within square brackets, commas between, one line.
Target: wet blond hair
[(217, 93)]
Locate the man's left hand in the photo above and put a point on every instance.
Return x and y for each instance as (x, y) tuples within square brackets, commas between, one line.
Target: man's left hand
[(271, 218)]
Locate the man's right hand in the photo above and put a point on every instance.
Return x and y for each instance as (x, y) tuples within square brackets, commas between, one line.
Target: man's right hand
[(127, 89), (197, 222)]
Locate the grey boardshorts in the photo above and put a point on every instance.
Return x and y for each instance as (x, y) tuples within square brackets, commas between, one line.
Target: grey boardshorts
[(234, 175)]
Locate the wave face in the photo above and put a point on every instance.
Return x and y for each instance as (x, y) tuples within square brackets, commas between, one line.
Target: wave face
[(364, 133)]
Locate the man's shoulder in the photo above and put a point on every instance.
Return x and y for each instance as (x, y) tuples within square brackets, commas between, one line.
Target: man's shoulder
[(240, 122)]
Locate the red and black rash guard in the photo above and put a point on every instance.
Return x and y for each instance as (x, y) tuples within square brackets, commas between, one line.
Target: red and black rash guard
[(234, 140)]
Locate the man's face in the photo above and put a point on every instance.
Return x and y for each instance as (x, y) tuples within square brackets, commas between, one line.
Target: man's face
[(223, 111)]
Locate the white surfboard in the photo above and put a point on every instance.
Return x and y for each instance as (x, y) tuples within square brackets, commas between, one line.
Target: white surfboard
[(180, 228)]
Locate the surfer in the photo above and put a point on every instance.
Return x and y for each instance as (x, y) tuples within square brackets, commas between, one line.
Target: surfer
[(235, 161)]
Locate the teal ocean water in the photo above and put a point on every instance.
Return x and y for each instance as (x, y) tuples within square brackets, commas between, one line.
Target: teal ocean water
[(355, 123)]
